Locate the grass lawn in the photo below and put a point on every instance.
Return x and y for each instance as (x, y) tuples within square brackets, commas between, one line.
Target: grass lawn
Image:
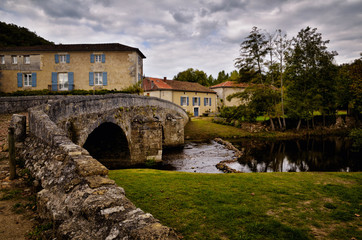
[(203, 128), (249, 205)]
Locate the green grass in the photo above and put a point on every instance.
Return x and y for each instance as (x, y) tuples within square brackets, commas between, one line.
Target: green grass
[(249, 206), (204, 128)]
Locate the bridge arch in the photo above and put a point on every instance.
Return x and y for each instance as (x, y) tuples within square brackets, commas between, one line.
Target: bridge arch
[(108, 144)]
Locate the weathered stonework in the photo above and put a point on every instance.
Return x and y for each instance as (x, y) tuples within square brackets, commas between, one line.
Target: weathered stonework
[(77, 196)]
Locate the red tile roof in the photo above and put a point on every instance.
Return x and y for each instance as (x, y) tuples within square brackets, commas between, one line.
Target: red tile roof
[(153, 84), (76, 48), (231, 84)]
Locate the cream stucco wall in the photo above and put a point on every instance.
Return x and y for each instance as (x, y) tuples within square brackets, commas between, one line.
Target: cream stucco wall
[(123, 69), (224, 92), (175, 97)]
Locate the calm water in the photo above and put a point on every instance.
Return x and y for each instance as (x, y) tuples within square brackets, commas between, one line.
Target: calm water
[(328, 154)]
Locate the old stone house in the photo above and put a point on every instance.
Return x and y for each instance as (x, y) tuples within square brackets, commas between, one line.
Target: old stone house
[(70, 66), (227, 88), (193, 97)]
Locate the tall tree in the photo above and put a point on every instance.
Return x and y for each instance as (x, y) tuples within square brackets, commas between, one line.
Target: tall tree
[(252, 53), (281, 45), (308, 75)]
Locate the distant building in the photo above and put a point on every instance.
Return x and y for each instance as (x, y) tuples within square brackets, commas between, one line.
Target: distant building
[(227, 88), (193, 97), (70, 66)]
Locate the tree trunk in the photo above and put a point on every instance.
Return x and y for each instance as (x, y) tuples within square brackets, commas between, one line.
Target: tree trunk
[(272, 124), (299, 122), (324, 120), (313, 125), (280, 123), (307, 124)]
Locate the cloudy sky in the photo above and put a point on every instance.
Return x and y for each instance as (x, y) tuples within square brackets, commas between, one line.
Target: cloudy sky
[(179, 34)]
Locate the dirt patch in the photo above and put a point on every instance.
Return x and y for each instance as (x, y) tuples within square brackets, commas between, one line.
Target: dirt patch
[(17, 204)]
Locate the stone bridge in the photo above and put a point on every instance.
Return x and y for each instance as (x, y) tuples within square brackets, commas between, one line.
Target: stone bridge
[(118, 130), (75, 193)]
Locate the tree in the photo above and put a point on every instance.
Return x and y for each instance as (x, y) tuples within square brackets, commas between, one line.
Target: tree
[(309, 78), (258, 100), (191, 75), (281, 44), (222, 77), (349, 87), (13, 35), (252, 53)]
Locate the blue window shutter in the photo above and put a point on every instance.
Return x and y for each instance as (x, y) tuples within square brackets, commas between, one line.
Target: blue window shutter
[(209, 101), (54, 81), (71, 80), (91, 79), (68, 58), (56, 58), (104, 79), (180, 101), (103, 58), (187, 101), (193, 101), (92, 58), (204, 101), (33, 79), (20, 79), (199, 102)]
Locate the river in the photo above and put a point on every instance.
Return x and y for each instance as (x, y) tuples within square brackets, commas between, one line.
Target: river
[(322, 154)]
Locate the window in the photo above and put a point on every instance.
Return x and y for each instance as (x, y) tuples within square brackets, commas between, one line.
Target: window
[(62, 58), (14, 59), (207, 101), (2, 59), (26, 59), (196, 101), (63, 81), (27, 80), (98, 78), (184, 101), (98, 58)]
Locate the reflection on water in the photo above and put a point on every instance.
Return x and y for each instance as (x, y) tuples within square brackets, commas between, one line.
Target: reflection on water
[(328, 154)]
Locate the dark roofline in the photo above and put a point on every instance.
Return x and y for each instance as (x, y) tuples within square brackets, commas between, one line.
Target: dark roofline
[(75, 48), (178, 90)]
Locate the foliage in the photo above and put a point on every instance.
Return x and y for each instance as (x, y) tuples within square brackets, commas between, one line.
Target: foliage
[(134, 89), (349, 87), (191, 75), (257, 100), (356, 135), (13, 35), (309, 76), (252, 53), (248, 206)]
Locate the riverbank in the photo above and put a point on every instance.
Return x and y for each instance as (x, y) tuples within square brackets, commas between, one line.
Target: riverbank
[(249, 205), (203, 128)]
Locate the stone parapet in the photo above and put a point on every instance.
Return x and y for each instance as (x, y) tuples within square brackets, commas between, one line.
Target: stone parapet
[(77, 195)]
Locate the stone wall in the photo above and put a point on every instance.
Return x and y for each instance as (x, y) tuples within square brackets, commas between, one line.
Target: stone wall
[(23, 103), (77, 196)]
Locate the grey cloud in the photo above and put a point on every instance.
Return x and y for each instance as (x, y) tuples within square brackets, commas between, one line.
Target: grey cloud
[(61, 9), (183, 16)]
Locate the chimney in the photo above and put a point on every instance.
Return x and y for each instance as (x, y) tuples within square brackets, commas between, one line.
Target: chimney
[(164, 78)]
